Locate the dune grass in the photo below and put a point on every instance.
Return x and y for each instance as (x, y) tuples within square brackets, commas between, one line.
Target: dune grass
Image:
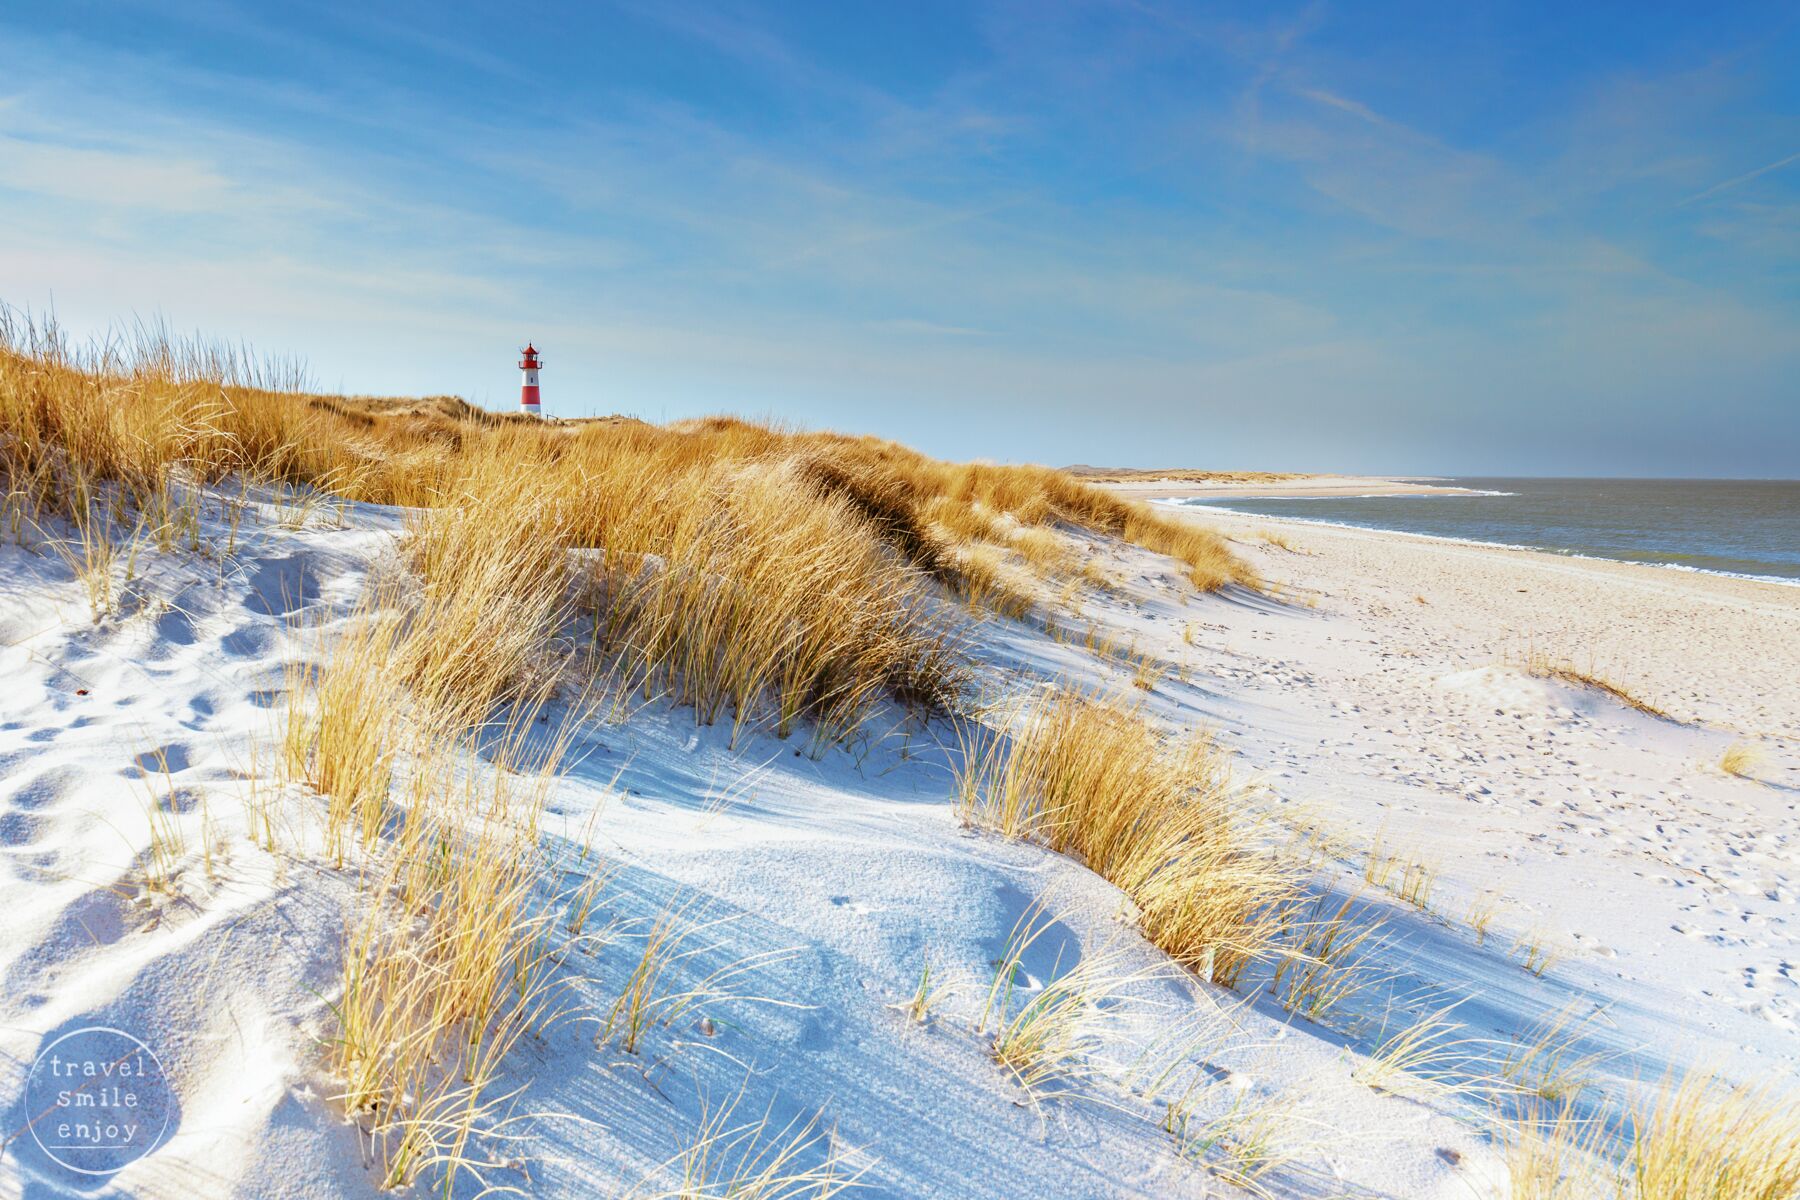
[(93, 551), (681, 966), (1694, 1137), (340, 729), (1537, 951), (437, 779), (1381, 863), (1425, 1057), (1547, 1060), (1741, 759), (1052, 1036), (1548, 666), (1090, 777), (1698, 1138), (927, 992), (1248, 1146), (1322, 951), (1408, 877), (448, 961), (775, 576), (1480, 914), (1557, 1155), (733, 1158)]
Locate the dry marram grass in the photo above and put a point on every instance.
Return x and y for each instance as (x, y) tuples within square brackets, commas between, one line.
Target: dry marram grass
[(1548, 666), (1741, 759), (778, 575), (1693, 1138), (1091, 777)]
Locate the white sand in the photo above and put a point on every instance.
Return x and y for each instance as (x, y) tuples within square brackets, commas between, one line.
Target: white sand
[(1399, 700), (1299, 486), (1669, 887)]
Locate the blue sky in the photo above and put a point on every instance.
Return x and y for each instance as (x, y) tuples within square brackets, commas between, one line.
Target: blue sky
[(1426, 238)]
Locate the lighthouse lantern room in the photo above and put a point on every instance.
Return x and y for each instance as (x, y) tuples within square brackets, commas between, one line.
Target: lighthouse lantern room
[(528, 394)]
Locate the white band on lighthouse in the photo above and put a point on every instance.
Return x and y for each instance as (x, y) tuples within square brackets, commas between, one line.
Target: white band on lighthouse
[(528, 390)]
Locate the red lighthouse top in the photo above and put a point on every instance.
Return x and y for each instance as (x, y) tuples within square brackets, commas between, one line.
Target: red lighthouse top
[(531, 358)]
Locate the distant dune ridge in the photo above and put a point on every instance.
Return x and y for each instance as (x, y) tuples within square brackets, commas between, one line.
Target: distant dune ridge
[(1179, 474)]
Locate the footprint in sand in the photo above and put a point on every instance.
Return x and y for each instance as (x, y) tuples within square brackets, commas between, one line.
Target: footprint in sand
[(19, 830)]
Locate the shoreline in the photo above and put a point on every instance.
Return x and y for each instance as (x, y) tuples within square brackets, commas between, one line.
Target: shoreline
[(1781, 581)]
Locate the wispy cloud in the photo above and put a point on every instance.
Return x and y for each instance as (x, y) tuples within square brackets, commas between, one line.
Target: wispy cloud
[(1746, 177), (113, 178)]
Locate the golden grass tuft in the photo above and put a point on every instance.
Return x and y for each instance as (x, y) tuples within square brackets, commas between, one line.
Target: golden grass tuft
[(1090, 777), (492, 582), (927, 508), (1695, 1137), (1557, 1155), (929, 991), (665, 983), (341, 726), (449, 962), (1741, 759), (1546, 666), (1322, 953), (1380, 864), (1248, 1146), (1537, 951), (1410, 879), (1426, 1056), (1209, 562), (1270, 537), (1546, 1060), (754, 1159), (1052, 1036), (1416, 884), (1701, 1139), (748, 590), (1044, 549), (93, 552), (1482, 910)]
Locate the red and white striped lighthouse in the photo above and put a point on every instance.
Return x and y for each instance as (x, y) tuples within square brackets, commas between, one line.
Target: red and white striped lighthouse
[(528, 394)]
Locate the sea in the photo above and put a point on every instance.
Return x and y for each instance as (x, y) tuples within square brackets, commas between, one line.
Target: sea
[(1742, 527)]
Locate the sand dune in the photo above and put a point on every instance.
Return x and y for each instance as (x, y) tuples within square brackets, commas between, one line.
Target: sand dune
[(1379, 690)]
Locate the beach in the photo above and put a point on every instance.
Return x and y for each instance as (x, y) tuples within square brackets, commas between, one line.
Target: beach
[(1391, 691), (1295, 486)]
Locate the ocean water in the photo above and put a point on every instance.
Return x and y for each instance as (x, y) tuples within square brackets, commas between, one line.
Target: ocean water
[(1727, 526)]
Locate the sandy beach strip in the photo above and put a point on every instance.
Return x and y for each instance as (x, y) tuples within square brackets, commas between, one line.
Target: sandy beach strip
[(1298, 487), (1391, 689), (1715, 649)]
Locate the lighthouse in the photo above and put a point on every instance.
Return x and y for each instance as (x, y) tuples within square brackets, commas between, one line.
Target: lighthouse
[(528, 394)]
